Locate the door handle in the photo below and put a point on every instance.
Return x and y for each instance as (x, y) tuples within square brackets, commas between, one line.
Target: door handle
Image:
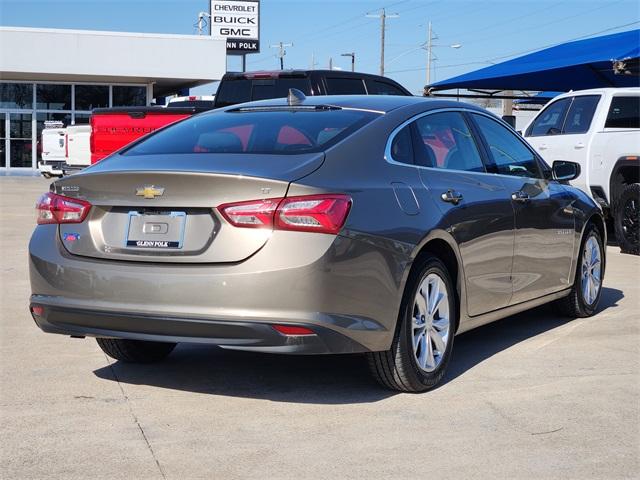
[(578, 145), (543, 146), (451, 196), (520, 197)]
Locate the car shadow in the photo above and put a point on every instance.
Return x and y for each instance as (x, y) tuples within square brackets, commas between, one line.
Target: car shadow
[(330, 379)]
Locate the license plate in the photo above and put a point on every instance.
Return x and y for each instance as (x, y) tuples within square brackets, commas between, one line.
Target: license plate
[(162, 230)]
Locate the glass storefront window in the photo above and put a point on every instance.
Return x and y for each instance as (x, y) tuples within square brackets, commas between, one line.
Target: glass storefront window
[(65, 118), (82, 118), (16, 95), (89, 97), (129, 96), (3, 132), (20, 139), (53, 97)]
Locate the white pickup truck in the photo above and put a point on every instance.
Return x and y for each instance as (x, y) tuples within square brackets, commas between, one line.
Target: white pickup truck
[(53, 147), (600, 130), (78, 148)]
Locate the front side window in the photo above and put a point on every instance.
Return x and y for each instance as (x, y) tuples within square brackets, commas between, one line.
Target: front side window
[(550, 121), (445, 141), (508, 153), (263, 131), (580, 114), (345, 86), (624, 112)]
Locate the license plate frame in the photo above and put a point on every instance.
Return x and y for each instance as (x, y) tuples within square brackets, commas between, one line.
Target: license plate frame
[(139, 236)]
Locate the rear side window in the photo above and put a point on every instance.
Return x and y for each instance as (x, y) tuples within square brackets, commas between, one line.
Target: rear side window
[(580, 114), (402, 146), (550, 121), (384, 88), (624, 112), (444, 141), (273, 131), (509, 154), (345, 86), (231, 92)]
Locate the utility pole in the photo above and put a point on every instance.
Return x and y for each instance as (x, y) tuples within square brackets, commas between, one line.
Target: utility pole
[(313, 61), (429, 47), (330, 63), (353, 59), (282, 52), (383, 18)]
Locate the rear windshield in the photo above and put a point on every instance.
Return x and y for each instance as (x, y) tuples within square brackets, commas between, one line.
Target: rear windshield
[(273, 131), (624, 113), (234, 91)]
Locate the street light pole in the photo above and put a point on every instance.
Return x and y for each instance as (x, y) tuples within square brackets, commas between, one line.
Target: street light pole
[(353, 59)]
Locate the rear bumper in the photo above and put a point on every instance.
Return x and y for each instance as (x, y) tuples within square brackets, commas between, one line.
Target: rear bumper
[(347, 291), (235, 335)]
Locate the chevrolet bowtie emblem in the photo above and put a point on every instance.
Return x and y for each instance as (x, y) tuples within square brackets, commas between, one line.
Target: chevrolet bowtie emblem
[(149, 191)]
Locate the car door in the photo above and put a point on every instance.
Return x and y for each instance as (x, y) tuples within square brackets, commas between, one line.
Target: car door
[(475, 206), (544, 219), (545, 133)]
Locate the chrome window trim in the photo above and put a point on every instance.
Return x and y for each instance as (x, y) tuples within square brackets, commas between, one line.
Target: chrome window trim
[(389, 158), (387, 150)]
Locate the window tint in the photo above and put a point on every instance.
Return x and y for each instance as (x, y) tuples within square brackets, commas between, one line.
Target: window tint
[(402, 146), (550, 121), (53, 97), (624, 112), (129, 96), (89, 97), (16, 95), (231, 92), (580, 114), (254, 131), (345, 86), (444, 141), (508, 153), (384, 88), (278, 88)]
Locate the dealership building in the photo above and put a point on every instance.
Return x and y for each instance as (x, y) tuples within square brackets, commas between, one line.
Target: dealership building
[(54, 74)]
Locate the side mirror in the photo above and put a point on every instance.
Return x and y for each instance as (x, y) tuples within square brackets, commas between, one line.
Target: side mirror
[(564, 171)]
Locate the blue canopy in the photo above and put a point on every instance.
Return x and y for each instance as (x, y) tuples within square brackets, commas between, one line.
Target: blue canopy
[(589, 63)]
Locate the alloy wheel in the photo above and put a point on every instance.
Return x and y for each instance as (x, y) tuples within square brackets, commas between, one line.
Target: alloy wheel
[(631, 220), (430, 322), (591, 270)]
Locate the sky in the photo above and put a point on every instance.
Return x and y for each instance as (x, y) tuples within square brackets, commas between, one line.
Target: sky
[(488, 31)]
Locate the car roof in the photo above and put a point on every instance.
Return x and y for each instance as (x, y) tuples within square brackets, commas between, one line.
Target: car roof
[(378, 103)]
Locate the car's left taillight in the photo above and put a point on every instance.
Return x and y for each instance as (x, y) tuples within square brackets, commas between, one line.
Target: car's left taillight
[(53, 208)]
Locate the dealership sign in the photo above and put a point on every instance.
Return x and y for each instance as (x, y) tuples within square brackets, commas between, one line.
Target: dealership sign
[(238, 22)]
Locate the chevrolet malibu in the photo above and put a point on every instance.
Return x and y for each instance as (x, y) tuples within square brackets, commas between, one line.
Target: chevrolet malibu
[(376, 225)]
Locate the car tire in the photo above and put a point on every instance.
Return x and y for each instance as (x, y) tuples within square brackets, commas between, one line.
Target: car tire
[(407, 368), (627, 219), (135, 351), (579, 303)]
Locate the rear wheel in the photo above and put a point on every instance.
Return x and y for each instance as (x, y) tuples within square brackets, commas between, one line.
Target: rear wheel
[(422, 346), (135, 351), (627, 219), (587, 285)]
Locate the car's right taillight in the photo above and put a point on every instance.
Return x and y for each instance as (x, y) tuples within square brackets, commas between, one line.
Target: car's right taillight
[(53, 208), (309, 213)]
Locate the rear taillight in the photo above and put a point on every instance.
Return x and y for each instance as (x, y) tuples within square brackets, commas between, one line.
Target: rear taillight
[(66, 145), (309, 213), (52, 208)]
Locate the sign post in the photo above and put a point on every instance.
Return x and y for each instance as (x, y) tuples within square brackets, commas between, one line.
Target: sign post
[(238, 23)]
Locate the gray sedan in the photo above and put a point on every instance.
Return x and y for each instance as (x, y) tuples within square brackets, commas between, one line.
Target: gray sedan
[(380, 225)]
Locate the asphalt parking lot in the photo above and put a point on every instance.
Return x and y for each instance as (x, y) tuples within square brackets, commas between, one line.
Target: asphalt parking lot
[(531, 396)]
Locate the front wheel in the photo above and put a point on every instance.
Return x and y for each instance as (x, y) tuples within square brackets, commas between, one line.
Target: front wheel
[(627, 219), (585, 293), (135, 351), (422, 345)]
